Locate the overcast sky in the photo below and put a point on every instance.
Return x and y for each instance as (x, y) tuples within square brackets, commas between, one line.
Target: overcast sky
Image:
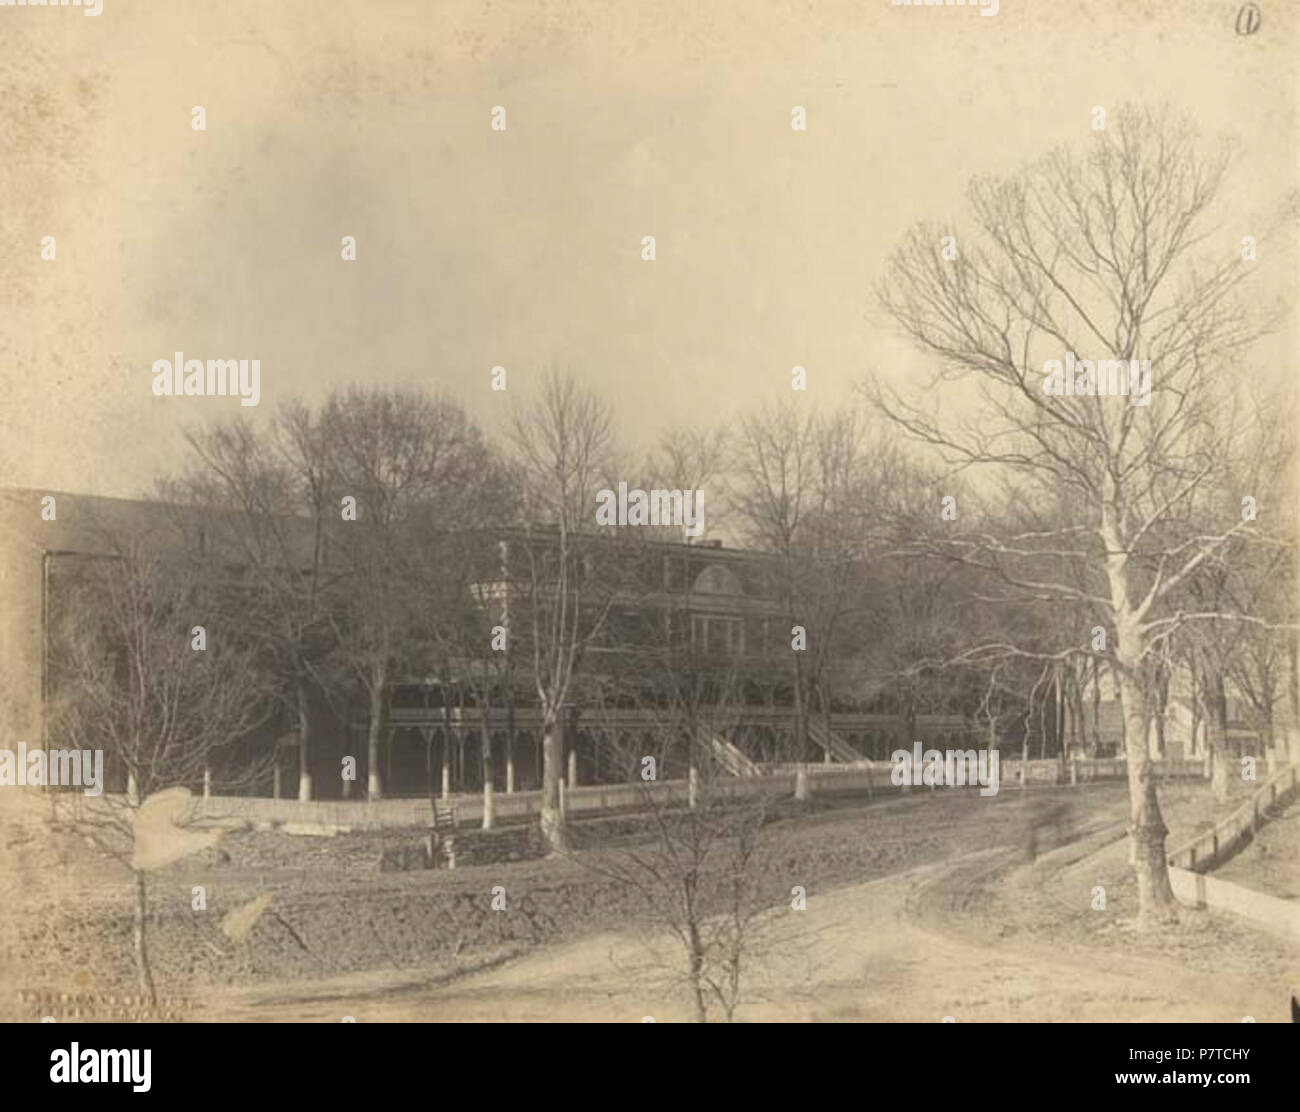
[(523, 248)]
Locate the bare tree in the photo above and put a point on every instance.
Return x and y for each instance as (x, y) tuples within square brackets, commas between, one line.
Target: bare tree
[(801, 494), (133, 681), (1251, 576), (416, 467), (697, 865), (1090, 256), (563, 443), (689, 458), (465, 621), (264, 501)]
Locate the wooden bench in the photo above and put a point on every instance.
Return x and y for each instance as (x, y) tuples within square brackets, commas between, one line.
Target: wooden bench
[(442, 832)]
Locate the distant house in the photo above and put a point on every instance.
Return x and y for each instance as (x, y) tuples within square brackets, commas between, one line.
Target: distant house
[(1185, 732)]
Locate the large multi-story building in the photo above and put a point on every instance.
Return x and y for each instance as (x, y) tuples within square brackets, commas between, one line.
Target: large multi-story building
[(658, 624)]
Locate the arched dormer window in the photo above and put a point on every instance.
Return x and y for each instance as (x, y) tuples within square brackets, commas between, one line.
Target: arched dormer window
[(717, 580)]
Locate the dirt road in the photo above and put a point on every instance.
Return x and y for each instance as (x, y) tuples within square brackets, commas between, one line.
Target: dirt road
[(861, 952)]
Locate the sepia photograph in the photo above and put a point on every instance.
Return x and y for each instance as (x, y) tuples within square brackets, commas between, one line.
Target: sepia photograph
[(593, 512)]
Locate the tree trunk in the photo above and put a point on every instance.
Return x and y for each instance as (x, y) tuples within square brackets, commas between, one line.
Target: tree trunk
[(1078, 721), (444, 763), (1293, 681), (1268, 690), (1162, 702), (1147, 830), (485, 752), (826, 722), (1146, 826), (800, 716), (510, 744), (458, 772), (489, 812), (1218, 717), (554, 832), (695, 964), (143, 971), (304, 748), (426, 732), (1066, 714), (1196, 741), (1058, 713), (1096, 705), (375, 789)]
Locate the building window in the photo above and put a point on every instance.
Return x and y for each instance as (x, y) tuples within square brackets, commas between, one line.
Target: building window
[(715, 635)]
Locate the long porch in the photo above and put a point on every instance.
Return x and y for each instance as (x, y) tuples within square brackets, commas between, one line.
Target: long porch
[(429, 751)]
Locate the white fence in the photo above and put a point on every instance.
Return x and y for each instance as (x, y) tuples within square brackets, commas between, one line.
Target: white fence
[(1224, 839), (1277, 915), (861, 777)]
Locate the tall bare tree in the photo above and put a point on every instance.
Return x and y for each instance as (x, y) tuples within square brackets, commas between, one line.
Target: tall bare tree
[(264, 499), (419, 471), (1243, 594), (134, 681), (563, 441), (1090, 256), (803, 492)]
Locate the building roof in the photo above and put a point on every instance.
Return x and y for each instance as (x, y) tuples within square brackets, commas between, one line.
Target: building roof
[(83, 523)]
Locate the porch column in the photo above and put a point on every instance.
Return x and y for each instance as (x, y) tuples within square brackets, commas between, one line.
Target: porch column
[(444, 761), (510, 745)]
